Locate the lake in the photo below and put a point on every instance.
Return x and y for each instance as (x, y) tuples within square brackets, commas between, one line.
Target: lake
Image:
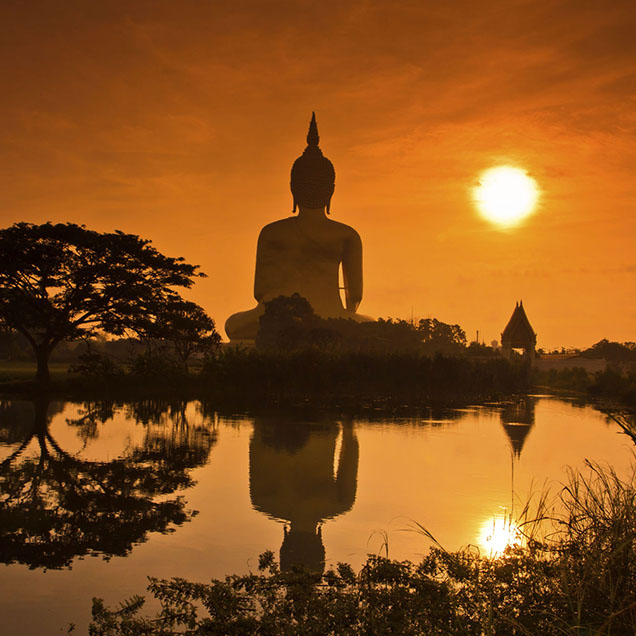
[(95, 497)]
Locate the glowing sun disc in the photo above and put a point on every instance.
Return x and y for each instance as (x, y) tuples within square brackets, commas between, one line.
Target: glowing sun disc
[(505, 195)]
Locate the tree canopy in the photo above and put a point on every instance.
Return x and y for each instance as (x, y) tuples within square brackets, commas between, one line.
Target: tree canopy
[(611, 351), (63, 282), (290, 323), (441, 337)]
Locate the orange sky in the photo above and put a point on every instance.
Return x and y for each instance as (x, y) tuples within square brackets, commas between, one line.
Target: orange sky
[(179, 121)]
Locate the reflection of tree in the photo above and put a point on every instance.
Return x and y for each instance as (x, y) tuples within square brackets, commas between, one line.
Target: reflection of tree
[(55, 506), (91, 416), (16, 419), (297, 474)]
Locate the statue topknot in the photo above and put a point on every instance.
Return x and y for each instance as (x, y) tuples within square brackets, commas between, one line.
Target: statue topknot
[(312, 134)]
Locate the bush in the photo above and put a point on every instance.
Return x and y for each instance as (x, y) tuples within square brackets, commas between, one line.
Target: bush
[(289, 323), (156, 364), (612, 384), (96, 365)]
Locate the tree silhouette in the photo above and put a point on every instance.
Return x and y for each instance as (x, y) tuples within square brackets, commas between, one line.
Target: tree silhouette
[(55, 506), (63, 282), (285, 323), (441, 337), (187, 328)]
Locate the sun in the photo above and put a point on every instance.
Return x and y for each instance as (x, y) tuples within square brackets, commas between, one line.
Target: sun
[(505, 195)]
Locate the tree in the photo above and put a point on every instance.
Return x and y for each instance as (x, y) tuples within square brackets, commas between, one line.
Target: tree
[(611, 351), (187, 328), (441, 337), (64, 282), (289, 323), (285, 324)]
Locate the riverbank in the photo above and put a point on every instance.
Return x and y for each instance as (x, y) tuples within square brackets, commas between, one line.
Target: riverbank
[(253, 377), (611, 385)]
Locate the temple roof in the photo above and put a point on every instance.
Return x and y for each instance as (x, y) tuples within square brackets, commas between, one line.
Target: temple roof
[(517, 434), (518, 331)]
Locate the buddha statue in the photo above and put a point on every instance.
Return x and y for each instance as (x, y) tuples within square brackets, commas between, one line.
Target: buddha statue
[(303, 254)]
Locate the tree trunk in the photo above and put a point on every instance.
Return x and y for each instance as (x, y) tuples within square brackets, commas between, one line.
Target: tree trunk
[(40, 421), (42, 376)]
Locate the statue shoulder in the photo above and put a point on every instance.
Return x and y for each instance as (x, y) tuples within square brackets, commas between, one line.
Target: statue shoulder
[(345, 230), (276, 227)]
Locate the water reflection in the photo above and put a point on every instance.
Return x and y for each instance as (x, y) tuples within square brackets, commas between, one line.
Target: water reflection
[(497, 533), (501, 530), (517, 419), (56, 505), (303, 473), (449, 471)]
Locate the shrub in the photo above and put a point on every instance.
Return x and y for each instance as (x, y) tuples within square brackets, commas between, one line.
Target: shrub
[(96, 365)]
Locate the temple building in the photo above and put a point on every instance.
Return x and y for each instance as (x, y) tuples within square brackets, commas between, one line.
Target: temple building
[(519, 334)]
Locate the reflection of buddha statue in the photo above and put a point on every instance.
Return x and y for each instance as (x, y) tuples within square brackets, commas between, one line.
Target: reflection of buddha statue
[(303, 254), (296, 476)]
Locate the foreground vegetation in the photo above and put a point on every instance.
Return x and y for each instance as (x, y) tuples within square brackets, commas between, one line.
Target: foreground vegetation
[(575, 574)]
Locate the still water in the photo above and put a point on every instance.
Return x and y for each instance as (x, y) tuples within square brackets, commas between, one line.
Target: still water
[(95, 497)]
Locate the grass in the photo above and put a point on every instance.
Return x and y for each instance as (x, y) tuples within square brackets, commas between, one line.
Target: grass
[(25, 371), (574, 575), (625, 419)]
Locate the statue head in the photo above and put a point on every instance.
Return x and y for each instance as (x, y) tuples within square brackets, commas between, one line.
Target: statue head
[(312, 175), (302, 548)]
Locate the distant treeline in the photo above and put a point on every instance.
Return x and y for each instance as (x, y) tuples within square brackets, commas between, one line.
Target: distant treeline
[(398, 376), (604, 349), (253, 376), (611, 351), (300, 356), (614, 384)]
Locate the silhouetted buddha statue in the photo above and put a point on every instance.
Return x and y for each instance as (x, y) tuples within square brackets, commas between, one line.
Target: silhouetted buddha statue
[(303, 254), (296, 476)]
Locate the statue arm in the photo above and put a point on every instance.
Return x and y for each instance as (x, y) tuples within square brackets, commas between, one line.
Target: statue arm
[(352, 271), (260, 274), (347, 477)]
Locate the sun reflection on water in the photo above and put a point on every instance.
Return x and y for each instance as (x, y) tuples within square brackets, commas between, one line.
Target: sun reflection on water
[(497, 533)]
